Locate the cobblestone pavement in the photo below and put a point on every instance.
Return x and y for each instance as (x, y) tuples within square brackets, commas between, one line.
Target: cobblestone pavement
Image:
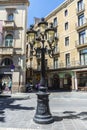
[(69, 110)]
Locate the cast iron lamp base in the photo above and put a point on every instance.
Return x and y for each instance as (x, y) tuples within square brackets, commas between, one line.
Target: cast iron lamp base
[(43, 115)]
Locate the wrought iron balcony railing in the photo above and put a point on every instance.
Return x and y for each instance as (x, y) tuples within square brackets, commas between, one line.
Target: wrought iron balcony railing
[(81, 9), (81, 43), (81, 25), (72, 64)]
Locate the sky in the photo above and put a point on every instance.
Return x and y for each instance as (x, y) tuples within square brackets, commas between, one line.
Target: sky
[(41, 8)]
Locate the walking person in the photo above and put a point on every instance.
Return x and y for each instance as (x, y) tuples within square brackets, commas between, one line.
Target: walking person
[(1, 89), (10, 86), (37, 86), (3, 85)]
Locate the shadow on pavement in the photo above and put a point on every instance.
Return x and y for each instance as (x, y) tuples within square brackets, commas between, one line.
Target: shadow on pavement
[(7, 103), (1, 116), (71, 115), (57, 118)]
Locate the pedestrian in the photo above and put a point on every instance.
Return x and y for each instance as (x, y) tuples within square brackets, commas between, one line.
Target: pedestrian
[(37, 86), (10, 85), (3, 85), (1, 89)]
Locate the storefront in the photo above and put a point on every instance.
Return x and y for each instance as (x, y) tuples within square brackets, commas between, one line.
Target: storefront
[(81, 79), (5, 79), (60, 80)]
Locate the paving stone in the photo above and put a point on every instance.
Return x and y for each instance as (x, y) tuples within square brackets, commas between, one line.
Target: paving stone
[(68, 110)]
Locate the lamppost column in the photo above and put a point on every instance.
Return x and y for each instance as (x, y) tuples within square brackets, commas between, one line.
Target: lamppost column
[(42, 81), (44, 34), (43, 115)]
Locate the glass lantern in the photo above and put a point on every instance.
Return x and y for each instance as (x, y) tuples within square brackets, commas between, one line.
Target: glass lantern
[(50, 33), (42, 25)]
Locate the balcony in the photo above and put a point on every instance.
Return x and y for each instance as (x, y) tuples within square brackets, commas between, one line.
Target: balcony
[(6, 50), (82, 44), (73, 64), (17, 51), (8, 24), (80, 10), (81, 25)]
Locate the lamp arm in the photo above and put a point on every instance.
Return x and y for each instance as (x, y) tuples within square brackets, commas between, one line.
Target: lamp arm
[(50, 56), (36, 50), (42, 38), (42, 35)]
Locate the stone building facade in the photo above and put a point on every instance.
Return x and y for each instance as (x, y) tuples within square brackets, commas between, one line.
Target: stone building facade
[(13, 25), (68, 68)]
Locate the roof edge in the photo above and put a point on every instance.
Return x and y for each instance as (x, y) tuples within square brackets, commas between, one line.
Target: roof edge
[(4, 2), (60, 7)]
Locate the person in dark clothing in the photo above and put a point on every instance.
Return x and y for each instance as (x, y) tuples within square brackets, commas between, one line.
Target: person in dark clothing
[(1, 87)]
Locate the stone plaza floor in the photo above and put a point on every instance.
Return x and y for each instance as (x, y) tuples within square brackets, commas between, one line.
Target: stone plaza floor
[(69, 110)]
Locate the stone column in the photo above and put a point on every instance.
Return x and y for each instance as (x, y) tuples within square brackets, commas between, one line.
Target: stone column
[(61, 75), (73, 83), (76, 83), (61, 82), (22, 82), (15, 82)]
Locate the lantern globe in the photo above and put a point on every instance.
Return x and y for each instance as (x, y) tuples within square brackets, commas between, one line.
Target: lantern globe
[(42, 25)]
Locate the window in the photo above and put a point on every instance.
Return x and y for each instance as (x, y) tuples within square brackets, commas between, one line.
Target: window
[(55, 63), (82, 37), (55, 22), (81, 20), (66, 25), (83, 57), (66, 12), (67, 59), (10, 17), (80, 5), (7, 61), (9, 40), (66, 41)]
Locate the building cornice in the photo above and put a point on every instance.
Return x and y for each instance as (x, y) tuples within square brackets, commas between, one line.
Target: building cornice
[(59, 8), (6, 2)]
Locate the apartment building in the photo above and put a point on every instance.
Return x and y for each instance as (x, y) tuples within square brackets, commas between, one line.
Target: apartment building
[(68, 67), (13, 24)]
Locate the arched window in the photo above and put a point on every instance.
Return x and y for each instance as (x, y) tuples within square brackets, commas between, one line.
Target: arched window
[(9, 40), (10, 17), (6, 61)]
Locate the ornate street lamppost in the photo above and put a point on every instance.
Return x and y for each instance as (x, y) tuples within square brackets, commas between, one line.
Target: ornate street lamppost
[(44, 34)]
